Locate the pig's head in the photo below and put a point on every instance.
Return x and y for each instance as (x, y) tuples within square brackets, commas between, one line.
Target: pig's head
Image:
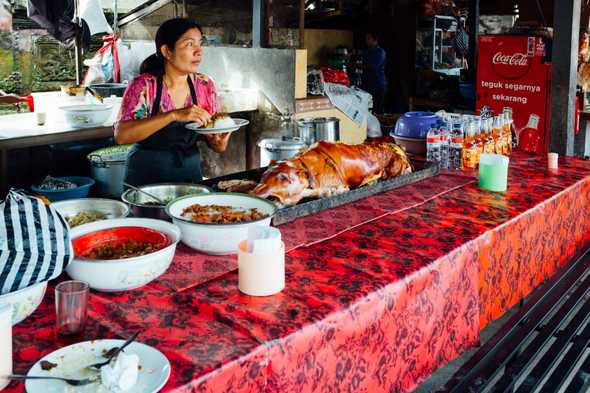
[(285, 183)]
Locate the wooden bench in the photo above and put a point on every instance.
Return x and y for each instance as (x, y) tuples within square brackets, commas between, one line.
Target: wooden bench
[(544, 347)]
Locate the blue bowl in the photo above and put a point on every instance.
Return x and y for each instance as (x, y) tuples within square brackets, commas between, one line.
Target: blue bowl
[(84, 184), (415, 124)]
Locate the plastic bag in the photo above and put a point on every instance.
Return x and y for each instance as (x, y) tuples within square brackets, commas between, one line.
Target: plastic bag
[(104, 66), (332, 75), (35, 243), (373, 127)]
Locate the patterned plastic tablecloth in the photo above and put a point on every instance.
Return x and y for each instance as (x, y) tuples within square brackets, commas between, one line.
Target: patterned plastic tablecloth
[(380, 293)]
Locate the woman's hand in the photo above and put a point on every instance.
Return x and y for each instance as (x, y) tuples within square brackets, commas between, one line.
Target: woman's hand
[(218, 142), (193, 113)]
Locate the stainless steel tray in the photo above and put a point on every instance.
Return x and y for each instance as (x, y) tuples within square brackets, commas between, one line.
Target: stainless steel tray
[(422, 170)]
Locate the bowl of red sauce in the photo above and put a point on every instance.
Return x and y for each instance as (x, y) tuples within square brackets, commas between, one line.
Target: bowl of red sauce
[(122, 254)]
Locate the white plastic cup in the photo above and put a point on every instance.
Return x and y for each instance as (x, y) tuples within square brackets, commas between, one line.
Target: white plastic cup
[(552, 160), (261, 273), (493, 172), (5, 344), (41, 117)]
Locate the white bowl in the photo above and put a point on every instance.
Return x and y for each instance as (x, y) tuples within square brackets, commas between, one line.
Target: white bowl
[(79, 116), (218, 239), (24, 301), (109, 207), (129, 273)]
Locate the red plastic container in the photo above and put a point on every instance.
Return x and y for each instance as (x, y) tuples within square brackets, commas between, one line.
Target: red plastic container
[(30, 103)]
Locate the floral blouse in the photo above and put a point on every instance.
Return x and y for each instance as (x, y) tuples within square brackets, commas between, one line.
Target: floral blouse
[(139, 97)]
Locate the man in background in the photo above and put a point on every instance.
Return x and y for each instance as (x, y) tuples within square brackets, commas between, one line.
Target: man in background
[(374, 81)]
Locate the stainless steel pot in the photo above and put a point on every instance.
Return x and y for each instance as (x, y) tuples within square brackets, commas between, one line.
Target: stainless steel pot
[(140, 203), (279, 149), (327, 129), (109, 175), (306, 131)]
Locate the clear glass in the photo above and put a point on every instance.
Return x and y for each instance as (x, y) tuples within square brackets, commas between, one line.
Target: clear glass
[(71, 302)]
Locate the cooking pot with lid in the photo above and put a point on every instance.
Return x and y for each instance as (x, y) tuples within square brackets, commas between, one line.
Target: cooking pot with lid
[(274, 149)]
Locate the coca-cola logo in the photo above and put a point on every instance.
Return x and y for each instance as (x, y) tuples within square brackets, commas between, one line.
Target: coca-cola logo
[(511, 66)]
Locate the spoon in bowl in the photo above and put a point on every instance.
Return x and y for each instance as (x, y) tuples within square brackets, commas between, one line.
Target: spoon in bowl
[(155, 198)]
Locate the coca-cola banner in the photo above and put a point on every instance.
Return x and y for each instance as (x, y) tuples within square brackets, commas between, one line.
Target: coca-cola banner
[(511, 73)]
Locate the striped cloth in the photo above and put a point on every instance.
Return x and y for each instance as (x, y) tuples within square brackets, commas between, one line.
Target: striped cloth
[(35, 244)]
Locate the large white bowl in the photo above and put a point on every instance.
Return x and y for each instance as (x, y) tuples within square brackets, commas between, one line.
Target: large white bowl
[(79, 116), (129, 273), (109, 207), (24, 301), (218, 239)]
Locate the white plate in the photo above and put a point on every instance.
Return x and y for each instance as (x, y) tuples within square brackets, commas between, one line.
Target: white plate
[(153, 375), (205, 131)]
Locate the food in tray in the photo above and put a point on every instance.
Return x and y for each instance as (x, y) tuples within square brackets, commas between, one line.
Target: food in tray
[(128, 249), (237, 185), (51, 183), (84, 217), (329, 168), (217, 214), (220, 120)]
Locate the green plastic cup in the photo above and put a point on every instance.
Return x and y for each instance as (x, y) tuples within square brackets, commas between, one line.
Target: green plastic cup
[(493, 172)]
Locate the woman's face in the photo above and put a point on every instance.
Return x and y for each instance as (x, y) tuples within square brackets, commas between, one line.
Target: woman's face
[(186, 55)]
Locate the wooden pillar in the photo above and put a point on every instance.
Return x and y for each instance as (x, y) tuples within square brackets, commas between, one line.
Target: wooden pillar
[(566, 23), (473, 26)]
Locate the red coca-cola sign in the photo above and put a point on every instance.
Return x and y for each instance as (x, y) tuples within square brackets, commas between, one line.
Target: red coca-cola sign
[(511, 65)]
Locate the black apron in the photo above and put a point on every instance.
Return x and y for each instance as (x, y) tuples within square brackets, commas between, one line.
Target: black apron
[(168, 156)]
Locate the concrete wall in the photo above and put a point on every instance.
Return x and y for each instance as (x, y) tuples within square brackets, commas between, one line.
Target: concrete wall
[(320, 43)]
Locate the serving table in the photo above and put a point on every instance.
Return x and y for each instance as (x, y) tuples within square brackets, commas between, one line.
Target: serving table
[(379, 293)]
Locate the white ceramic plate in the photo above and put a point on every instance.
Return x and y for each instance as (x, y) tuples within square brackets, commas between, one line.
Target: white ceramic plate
[(153, 374), (205, 131)]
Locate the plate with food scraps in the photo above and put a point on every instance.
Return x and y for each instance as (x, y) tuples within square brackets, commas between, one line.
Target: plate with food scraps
[(71, 362), (218, 125)]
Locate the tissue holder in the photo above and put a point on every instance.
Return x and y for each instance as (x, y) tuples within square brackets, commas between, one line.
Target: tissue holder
[(261, 273)]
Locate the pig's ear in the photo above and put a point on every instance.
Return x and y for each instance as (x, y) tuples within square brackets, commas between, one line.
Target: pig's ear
[(261, 190)]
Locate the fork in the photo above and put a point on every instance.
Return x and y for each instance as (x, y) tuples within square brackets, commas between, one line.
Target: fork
[(73, 382), (115, 353)]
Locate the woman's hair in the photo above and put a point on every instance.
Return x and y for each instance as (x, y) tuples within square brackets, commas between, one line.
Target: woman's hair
[(168, 34)]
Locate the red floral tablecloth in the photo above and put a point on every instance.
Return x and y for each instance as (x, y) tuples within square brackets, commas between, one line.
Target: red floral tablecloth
[(377, 307)]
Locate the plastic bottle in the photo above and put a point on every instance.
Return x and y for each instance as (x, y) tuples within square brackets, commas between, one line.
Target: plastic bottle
[(433, 144), (445, 144), (456, 146)]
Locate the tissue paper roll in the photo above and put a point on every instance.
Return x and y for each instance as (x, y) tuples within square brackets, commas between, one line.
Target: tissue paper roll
[(261, 273)]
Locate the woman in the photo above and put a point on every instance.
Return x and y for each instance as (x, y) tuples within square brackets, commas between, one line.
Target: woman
[(159, 102)]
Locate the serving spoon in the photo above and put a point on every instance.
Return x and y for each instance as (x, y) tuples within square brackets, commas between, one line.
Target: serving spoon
[(155, 198)]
